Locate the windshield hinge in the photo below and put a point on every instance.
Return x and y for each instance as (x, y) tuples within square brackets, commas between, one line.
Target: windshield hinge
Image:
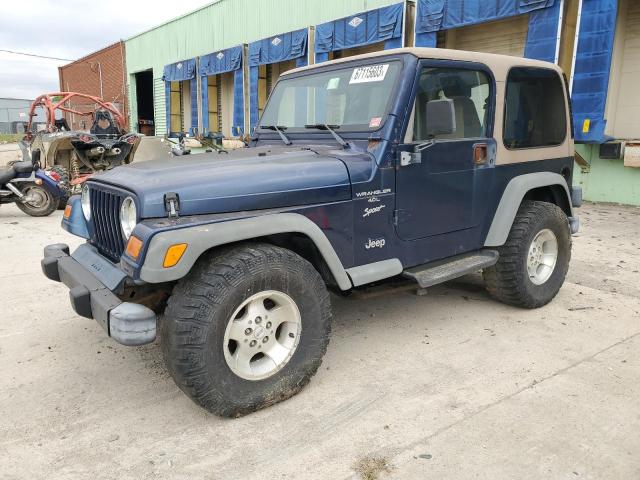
[(172, 204)]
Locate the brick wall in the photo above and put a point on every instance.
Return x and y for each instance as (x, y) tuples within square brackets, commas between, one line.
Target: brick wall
[(83, 76)]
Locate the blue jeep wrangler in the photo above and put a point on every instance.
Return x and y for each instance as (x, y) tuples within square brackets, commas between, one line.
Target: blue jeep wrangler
[(423, 163)]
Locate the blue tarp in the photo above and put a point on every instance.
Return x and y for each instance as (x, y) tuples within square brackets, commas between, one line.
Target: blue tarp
[(380, 25), (592, 68), (223, 61), (434, 15), (179, 72), (542, 35), (279, 48), (176, 72)]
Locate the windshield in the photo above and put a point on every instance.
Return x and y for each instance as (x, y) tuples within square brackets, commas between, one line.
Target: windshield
[(349, 98)]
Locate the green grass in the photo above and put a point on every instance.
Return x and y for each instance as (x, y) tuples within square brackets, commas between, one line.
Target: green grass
[(10, 137)]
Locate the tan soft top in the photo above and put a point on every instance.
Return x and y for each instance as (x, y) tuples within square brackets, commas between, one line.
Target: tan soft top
[(499, 64)]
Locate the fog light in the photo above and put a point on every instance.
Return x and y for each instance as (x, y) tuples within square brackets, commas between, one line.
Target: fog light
[(174, 254), (134, 247), (38, 181), (67, 211)]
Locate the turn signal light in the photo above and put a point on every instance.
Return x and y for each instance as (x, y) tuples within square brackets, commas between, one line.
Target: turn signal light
[(134, 247), (480, 154), (174, 254), (67, 211)]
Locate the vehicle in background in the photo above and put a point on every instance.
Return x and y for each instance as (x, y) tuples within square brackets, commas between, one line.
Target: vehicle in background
[(427, 164), (34, 191), (75, 155)]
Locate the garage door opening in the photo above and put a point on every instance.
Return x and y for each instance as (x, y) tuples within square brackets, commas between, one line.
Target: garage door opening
[(144, 102), (220, 103), (267, 77), (350, 52)]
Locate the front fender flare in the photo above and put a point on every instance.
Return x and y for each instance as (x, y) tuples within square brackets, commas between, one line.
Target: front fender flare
[(201, 238), (511, 199)]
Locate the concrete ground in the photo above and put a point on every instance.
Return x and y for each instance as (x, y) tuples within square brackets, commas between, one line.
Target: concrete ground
[(451, 385), (9, 152)]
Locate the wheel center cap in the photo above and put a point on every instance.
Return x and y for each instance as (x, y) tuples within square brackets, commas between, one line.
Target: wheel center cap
[(259, 332)]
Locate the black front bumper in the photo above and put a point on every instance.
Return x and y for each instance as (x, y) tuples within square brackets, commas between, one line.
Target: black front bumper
[(127, 323)]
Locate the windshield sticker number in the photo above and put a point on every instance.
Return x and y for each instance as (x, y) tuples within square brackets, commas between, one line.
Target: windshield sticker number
[(371, 73)]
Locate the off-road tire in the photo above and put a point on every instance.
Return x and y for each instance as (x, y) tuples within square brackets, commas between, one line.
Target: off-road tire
[(508, 280), (64, 185), (50, 205), (193, 326)]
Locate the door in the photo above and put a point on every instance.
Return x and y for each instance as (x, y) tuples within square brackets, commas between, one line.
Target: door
[(436, 190)]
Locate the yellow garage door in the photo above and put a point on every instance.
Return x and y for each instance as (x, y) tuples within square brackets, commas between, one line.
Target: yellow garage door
[(626, 109), (506, 37)]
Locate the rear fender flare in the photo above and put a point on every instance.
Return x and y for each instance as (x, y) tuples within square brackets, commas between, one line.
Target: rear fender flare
[(201, 238), (511, 199)]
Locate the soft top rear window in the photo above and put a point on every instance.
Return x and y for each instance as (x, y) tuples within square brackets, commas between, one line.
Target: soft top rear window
[(534, 109)]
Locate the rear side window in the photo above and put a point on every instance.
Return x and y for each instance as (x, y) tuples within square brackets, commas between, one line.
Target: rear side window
[(534, 110)]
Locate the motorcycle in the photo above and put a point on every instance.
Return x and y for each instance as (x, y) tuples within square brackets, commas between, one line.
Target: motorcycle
[(34, 191)]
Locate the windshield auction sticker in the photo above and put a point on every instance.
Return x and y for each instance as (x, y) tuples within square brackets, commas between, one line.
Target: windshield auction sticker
[(370, 73)]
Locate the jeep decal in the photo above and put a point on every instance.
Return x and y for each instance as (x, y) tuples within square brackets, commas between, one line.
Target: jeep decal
[(375, 243)]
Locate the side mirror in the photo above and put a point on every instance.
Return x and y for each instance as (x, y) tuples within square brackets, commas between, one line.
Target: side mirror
[(441, 117)]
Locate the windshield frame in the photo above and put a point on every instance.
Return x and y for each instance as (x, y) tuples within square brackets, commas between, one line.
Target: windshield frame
[(341, 65)]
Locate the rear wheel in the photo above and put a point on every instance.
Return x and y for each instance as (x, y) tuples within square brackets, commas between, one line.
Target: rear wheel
[(38, 202), (246, 328), (534, 260)]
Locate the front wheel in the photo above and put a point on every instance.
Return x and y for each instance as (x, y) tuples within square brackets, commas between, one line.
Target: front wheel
[(38, 201), (534, 260), (246, 328)]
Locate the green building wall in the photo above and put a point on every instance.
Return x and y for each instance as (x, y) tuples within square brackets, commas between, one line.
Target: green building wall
[(223, 24), (606, 180)]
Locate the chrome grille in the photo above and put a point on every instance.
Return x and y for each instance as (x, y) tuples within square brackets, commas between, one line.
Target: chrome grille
[(105, 217)]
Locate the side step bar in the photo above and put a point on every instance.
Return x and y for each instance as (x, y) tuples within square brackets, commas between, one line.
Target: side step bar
[(441, 271)]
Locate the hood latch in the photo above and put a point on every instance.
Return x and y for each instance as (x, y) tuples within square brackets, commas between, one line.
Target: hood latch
[(172, 204)]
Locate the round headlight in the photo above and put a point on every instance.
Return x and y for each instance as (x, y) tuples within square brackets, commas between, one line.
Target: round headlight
[(85, 201), (128, 216)]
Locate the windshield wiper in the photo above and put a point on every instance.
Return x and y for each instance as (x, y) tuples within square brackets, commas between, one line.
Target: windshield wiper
[(280, 132), (330, 129)]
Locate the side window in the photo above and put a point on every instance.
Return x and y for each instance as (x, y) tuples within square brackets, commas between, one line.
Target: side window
[(468, 90), (534, 109)]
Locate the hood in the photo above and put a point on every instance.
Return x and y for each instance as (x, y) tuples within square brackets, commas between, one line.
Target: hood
[(245, 179)]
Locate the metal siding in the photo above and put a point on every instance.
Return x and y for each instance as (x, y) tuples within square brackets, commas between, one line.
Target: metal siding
[(224, 24), (159, 112), (133, 106)]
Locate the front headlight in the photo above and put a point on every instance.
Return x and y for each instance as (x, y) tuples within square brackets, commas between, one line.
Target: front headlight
[(85, 201), (128, 216)]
